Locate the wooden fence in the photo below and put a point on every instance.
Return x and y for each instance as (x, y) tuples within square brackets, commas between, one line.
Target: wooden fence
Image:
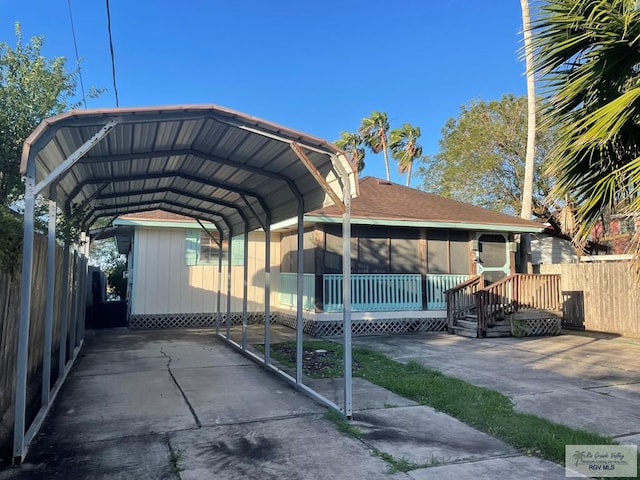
[(9, 325), (599, 296)]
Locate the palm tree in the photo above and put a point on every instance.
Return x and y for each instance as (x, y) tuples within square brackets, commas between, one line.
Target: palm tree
[(405, 148), (588, 54), (374, 130), (527, 186), (351, 144)]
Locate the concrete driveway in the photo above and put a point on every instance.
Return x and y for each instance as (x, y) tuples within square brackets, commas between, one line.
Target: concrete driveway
[(585, 381), (182, 404)]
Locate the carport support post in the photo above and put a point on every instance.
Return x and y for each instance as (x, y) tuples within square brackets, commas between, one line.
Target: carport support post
[(300, 292), (245, 283), (25, 314), (64, 310), (218, 309), (267, 291), (346, 299), (229, 251), (50, 288)]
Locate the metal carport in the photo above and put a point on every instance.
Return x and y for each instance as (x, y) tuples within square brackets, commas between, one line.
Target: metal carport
[(206, 162)]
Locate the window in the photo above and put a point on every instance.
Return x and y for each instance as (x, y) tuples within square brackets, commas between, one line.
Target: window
[(201, 249)]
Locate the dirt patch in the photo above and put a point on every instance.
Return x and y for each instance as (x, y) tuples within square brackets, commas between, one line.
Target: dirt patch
[(315, 362)]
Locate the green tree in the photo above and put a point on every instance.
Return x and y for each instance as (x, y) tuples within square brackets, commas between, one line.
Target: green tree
[(405, 148), (588, 55), (482, 155), (351, 144), (32, 88), (374, 131)]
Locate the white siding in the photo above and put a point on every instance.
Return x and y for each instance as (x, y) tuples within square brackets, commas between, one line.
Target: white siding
[(163, 283), (547, 250)]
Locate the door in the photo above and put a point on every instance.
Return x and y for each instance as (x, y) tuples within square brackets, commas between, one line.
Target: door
[(493, 256)]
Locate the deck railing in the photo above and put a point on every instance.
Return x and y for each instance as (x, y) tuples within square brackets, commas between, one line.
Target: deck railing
[(374, 292), (514, 293), (437, 286), (461, 299), (289, 286)]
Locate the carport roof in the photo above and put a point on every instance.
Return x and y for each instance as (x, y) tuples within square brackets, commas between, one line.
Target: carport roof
[(202, 161)]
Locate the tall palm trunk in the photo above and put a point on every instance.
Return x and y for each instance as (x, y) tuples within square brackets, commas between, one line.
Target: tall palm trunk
[(527, 188), (383, 140), (409, 173)]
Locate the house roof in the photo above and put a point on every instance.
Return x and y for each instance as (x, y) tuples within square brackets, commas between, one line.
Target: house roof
[(382, 202), (202, 161)]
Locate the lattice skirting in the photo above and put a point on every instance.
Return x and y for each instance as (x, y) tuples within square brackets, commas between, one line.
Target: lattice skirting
[(182, 320), (333, 328), (535, 327)]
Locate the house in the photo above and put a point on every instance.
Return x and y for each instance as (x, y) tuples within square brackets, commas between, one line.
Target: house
[(408, 248)]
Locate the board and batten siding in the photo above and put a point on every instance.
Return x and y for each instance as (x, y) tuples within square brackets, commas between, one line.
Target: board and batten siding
[(163, 282), (547, 250)]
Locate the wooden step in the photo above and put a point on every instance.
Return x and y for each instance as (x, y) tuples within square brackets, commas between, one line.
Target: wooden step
[(469, 324), (465, 332), (497, 334)]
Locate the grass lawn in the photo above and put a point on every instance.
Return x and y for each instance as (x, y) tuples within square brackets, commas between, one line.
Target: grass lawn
[(482, 408)]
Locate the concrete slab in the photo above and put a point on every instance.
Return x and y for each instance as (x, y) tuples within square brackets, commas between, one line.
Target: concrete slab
[(583, 409), (296, 448), (144, 457), (513, 468), (630, 440), (112, 406), (628, 391), (366, 395), (422, 435), (240, 394)]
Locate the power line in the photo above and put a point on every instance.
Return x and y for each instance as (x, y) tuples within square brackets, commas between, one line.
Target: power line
[(75, 46), (113, 61)]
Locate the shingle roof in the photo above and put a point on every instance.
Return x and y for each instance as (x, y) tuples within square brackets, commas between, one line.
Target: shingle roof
[(382, 200)]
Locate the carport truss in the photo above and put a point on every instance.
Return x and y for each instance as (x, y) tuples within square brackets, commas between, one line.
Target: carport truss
[(212, 164)]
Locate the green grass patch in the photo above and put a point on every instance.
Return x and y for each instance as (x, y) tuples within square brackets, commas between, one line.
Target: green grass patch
[(479, 407)]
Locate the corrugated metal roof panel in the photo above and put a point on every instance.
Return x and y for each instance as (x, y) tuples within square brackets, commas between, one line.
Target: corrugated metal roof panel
[(197, 161)]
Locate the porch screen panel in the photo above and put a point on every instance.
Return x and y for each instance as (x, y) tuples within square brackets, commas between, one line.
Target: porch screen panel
[(459, 252), (309, 252), (333, 252), (373, 250), (404, 251), (437, 252), (287, 254)]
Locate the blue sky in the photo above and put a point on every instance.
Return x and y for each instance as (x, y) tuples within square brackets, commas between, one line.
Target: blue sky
[(314, 66)]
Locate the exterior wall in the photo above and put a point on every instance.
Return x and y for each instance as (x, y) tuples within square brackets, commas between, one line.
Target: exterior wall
[(549, 250), (163, 283)]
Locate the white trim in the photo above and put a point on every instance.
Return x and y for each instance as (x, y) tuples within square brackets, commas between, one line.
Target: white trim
[(414, 223)]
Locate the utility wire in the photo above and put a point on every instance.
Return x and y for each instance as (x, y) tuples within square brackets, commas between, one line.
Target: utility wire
[(75, 46), (113, 62)]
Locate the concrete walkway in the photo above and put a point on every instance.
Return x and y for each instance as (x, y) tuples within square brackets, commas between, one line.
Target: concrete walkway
[(182, 404), (585, 381)]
